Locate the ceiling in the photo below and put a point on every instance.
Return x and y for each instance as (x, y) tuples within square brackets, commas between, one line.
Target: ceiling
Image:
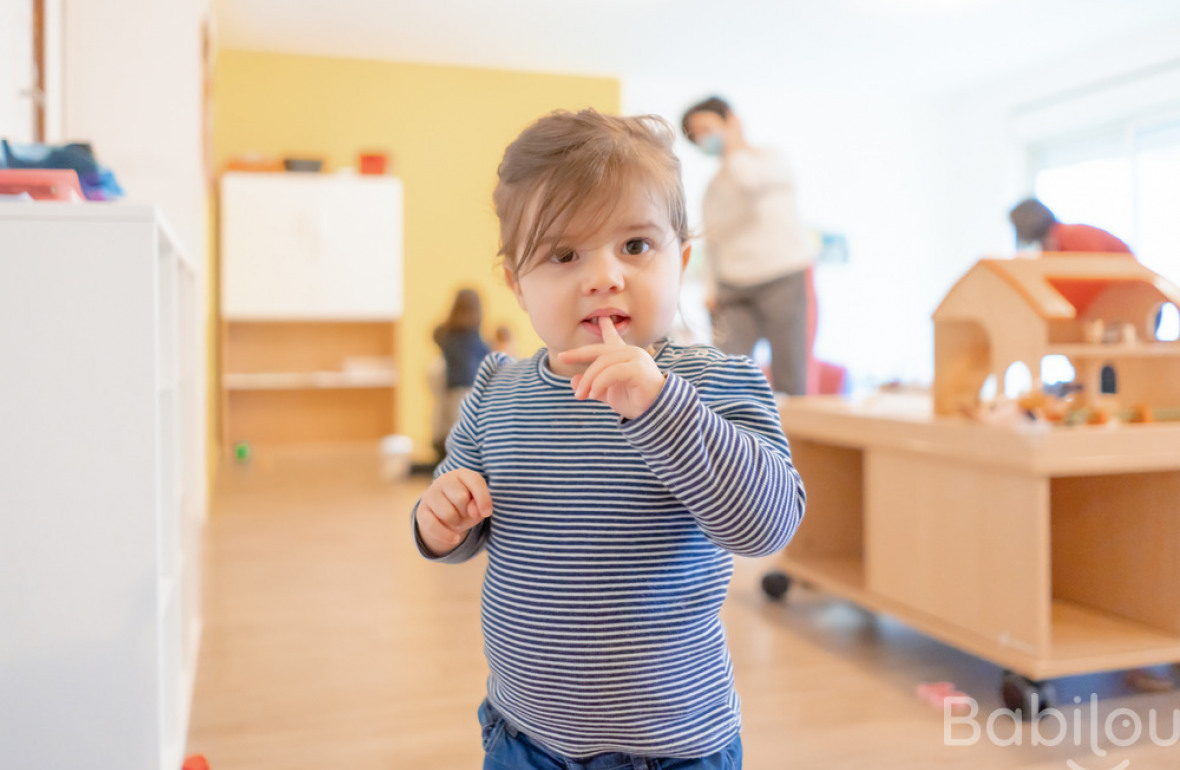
[(904, 46)]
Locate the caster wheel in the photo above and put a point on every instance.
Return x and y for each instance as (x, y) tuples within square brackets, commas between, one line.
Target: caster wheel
[(1025, 696), (775, 585)]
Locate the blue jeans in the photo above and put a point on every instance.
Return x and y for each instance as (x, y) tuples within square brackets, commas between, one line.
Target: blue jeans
[(506, 748)]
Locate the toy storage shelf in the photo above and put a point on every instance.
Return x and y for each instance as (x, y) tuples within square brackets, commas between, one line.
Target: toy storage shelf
[(1049, 551), (311, 294), (103, 495), (313, 381)]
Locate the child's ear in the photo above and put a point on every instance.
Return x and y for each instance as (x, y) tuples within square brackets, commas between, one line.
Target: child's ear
[(685, 254), (514, 284)]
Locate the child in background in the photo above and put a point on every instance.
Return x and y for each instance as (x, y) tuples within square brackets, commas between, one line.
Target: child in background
[(504, 341), (612, 475), (463, 349)]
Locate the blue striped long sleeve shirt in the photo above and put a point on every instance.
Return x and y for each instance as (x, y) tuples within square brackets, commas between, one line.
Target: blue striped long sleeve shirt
[(609, 548)]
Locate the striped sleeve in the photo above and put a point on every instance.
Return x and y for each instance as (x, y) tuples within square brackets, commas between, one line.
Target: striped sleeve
[(720, 449), (464, 451)]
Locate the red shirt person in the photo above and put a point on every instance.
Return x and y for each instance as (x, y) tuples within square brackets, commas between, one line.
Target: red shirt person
[(1035, 223), (1063, 237)]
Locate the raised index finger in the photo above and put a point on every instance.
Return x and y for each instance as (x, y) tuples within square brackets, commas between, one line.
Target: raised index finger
[(610, 335)]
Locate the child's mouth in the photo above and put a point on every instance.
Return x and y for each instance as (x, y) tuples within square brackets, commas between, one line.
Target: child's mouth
[(592, 323)]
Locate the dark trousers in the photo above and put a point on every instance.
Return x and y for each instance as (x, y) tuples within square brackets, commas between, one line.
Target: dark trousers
[(775, 311)]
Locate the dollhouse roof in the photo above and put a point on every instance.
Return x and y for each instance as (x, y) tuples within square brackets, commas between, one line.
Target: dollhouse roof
[(1061, 285)]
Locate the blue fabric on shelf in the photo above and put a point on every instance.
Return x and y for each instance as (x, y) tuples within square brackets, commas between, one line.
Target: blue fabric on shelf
[(98, 182)]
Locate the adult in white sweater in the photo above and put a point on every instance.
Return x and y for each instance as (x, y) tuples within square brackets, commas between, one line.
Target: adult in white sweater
[(756, 250)]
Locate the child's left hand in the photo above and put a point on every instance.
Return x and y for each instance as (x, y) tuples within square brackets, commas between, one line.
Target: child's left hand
[(622, 376)]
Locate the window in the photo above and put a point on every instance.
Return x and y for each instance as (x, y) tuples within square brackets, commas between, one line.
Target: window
[(1017, 380), (1108, 381), (1056, 369), (1124, 179), (1167, 323)]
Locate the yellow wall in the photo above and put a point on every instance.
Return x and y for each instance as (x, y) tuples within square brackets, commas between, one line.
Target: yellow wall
[(446, 128)]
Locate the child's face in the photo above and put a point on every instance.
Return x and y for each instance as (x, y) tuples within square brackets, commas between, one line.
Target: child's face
[(628, 266)]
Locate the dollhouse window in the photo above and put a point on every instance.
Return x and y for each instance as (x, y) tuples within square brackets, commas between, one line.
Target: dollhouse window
[(1056, 369), (987, 391), (1108, 381), (1167, 323), (1017, 380)]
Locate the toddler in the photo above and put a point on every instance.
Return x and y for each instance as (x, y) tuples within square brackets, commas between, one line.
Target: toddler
[(612, 475)]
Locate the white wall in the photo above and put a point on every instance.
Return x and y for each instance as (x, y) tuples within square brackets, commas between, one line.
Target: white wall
[(921, 188), (984, 133), (862, 168), (16, 70), (131, 84)]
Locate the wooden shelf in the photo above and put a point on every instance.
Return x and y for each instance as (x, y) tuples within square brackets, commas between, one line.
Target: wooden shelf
[(847, 573), (1051, 552), (298, 416), (908, 423), (308, 380), (1083, 640), (1144, 349)]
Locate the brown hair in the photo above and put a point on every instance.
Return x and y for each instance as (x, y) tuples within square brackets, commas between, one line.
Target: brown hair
[(568, 163), (714, 104), (1032, 220), (466, 313)]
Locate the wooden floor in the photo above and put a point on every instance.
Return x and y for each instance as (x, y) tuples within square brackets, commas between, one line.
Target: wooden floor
[(328, 643)]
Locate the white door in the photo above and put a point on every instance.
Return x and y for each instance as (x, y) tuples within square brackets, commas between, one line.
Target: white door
[(309, 246), (271, 235), (360, 267)]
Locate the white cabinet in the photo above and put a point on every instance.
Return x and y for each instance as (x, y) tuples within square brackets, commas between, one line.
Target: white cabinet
[(102, 487), (311, 246)]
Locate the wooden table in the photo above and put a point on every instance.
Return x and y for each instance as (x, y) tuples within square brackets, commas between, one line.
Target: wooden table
[(1050, 551)]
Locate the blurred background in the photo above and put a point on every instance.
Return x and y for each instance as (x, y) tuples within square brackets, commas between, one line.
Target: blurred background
[(911, 127)]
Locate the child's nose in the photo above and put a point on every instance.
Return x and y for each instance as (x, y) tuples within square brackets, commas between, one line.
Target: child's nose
[(603, 274)]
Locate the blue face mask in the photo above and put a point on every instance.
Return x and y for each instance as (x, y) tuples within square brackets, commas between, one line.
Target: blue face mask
[(712, 144)]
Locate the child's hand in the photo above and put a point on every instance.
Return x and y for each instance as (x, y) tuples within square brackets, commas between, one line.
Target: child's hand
[(622, 376), (453, 504)]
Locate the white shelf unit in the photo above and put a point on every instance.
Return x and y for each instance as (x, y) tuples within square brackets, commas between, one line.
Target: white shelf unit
[(311, 279), (103, 492)]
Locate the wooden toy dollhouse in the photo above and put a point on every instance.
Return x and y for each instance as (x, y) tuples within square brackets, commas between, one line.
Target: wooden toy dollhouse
[(1100, 311)]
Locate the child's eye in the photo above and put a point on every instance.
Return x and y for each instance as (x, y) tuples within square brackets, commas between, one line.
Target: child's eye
[(563, 257), (636, 246)]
